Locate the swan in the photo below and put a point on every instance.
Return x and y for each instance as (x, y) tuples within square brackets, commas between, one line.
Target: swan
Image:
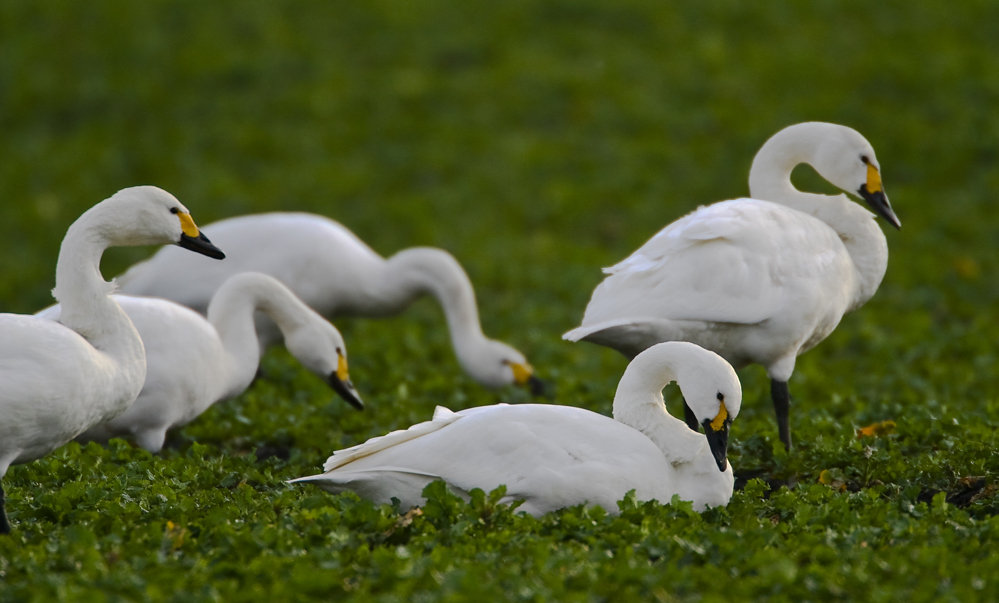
[(192, 363), (757, 280), (59, 379), (551, 456), (337, 274)]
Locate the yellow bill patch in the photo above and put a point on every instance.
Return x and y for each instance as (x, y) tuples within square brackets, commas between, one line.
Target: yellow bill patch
[(187, 225), (719, 420), (521, 372), (341, 368), (873, 179)]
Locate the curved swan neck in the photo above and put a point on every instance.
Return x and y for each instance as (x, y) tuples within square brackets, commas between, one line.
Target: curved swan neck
[(231, 313), (639, 404), (80, 287), (770, 174), (770, 180), (422, 270)]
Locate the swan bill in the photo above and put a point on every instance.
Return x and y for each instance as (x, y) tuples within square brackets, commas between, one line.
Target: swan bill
[(200, 244), (718, 440), (346, 390), (523, 375), (878, 201), (187, 225)]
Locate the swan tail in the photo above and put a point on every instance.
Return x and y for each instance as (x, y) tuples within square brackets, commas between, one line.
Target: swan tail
[(380, 484), (442, 418)]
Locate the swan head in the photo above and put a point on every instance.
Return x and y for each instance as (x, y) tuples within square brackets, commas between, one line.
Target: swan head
[(148, 215), (845, 158), (712, 390), (319, 346), (498, 364)]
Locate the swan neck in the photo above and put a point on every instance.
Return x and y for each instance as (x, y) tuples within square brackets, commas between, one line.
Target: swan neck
[(80, 288), (770, 180), (231, 313), (639, 404), (770, 174), (425, 270)]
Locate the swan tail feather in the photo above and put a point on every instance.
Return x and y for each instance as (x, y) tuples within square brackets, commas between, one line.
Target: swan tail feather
[(442, 418)]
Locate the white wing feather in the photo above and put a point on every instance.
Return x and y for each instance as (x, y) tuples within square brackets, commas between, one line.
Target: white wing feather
[(733, 262)]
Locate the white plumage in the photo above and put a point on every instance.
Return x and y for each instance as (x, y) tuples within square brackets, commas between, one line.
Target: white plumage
[(193, 362), (56, 380), (758, 280), (552, 457), (337, 274)]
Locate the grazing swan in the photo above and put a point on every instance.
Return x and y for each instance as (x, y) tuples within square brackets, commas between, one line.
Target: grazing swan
[(56, 380), (556, 456), (335, 273), (192, 363), (756, 281)]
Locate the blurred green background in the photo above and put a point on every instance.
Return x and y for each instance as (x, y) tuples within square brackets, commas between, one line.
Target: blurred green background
[(537, 141)]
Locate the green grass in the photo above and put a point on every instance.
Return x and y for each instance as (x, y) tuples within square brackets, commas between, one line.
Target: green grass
[(536, 141)]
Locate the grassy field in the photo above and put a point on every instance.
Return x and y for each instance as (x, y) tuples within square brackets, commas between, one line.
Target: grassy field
[(537, 141)]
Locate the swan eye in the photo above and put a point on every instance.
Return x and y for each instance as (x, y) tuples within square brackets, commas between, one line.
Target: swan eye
[(865, 159), (721, 396), (174, 210)]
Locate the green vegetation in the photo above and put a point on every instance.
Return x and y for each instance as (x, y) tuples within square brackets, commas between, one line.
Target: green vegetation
[(537, 141)]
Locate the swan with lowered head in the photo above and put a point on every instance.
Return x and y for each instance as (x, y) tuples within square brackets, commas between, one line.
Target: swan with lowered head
[(336, 274), (552, 457), (59, 379), (191, 362), (758, 280)]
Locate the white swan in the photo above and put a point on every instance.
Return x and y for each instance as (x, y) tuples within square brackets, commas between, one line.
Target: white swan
[(335, 273), (556, 456), (192, 363), (56, 380), (756, 281)]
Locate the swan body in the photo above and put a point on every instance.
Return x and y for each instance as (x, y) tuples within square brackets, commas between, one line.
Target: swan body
[(552, 457), (757, 280), (193, 362), (334, 272), (60, 379)]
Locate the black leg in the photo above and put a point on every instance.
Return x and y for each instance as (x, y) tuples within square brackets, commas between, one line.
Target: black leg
[(4, 524), (689, 418), (782, 406)]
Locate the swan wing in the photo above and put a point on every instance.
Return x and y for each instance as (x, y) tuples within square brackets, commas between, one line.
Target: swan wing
[(739, 261)]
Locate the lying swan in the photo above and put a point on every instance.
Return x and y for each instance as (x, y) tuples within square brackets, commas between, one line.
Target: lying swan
[(336, 274), (192, 363), (557, 456), (756, 281), (56, 380)]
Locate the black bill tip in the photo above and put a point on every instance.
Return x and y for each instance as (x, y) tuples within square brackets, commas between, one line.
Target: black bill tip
[(346, 391), (718, 442), (539, 388), (202, 245), (878, 201)]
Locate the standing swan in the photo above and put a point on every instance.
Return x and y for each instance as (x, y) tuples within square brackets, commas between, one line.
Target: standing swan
[(336, 274), (756, 281), (552, 457), (56, 380), (191, 363)]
